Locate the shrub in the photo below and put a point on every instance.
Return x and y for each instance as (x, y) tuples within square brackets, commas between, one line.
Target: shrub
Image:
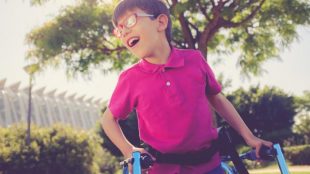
[(58, 149), (301, 125), (298, 155)]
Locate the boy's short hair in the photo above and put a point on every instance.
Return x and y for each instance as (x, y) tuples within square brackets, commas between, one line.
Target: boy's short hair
[(154, 7)]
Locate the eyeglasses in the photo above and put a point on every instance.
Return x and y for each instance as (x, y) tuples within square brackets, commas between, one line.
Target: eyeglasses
[(129, 22)]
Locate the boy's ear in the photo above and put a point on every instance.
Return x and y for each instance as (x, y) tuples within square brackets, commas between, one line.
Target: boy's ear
[(163, 22)]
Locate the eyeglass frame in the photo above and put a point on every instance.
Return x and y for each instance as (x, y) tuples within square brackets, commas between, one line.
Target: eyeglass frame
[(117, 31)]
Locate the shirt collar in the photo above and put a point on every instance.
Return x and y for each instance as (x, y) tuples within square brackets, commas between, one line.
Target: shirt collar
[(175, 60)]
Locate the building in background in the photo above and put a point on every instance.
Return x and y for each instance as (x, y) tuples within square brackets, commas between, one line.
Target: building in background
[(47, 107)]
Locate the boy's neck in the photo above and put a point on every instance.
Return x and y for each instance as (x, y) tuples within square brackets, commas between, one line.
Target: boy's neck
[(160, 54)]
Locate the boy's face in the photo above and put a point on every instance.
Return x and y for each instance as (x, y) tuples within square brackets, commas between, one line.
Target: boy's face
[(140, 32)]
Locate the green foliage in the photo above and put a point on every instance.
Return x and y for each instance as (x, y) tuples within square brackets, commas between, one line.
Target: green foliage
[(268, 33), (58, 149), (285, 136), (38, 2), (292, 140), (298, 155), (302, 119), (32, 68), (258, 30), (302, 125), (265, 111), (303, 102), (81, 36)]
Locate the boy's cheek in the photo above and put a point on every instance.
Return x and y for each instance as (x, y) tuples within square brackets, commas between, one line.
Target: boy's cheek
[(124, 43)]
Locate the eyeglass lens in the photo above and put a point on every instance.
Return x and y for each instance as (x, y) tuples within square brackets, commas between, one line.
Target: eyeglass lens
[(129, 22)]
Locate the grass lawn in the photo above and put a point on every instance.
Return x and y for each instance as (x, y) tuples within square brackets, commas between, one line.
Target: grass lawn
[(275, 170), (279, 173)]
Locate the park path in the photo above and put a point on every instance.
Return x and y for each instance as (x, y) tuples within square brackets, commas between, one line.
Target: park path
[(276, 170)]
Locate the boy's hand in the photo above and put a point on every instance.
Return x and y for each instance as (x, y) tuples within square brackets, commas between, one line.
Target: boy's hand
[(257, 143), (128, 155)]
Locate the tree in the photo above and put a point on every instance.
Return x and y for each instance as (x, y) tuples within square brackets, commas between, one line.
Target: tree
[(303, 102), (258, 29), (302, 119), (268, 112), (79, 36), (301, 126)]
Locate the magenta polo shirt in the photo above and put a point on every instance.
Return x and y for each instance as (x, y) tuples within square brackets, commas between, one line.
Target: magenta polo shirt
[(172, 107)]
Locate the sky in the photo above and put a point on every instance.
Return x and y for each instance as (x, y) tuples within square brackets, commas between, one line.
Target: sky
[(18, 18)]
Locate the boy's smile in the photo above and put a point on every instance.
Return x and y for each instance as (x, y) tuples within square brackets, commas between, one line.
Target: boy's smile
[(131, 42)]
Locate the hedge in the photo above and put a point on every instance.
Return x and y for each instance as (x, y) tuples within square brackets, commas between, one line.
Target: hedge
[(57, 149), (298, 155)]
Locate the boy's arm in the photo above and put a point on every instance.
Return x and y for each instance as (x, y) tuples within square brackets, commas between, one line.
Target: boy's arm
[(113, 131), (226, 110)]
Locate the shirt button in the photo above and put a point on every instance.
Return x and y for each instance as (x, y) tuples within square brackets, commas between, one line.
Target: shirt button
[(168, 83)]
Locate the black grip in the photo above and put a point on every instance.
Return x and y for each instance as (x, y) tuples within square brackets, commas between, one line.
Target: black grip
[(146, 161), (267, 153)]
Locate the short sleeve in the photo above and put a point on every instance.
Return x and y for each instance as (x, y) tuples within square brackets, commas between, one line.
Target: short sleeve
[(121, 103), (213, 87)]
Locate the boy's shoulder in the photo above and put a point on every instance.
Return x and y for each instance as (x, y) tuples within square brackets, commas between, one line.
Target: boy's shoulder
[(130, 71), (189, 53)]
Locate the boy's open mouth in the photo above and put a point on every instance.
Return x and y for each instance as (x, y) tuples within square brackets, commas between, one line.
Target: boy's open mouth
[(133, 41)]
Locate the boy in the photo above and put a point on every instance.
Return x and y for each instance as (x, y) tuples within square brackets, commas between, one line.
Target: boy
[(171, 90)]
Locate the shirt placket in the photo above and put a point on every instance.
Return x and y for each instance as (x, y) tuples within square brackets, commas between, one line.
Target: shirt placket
[(170, 86)]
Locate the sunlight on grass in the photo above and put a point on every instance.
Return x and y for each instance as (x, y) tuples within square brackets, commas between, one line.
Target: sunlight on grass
[(279, 173), (272, 169)]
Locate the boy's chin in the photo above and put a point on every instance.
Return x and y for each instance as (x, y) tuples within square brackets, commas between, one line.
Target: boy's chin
[(140, 54), (136, 54)]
